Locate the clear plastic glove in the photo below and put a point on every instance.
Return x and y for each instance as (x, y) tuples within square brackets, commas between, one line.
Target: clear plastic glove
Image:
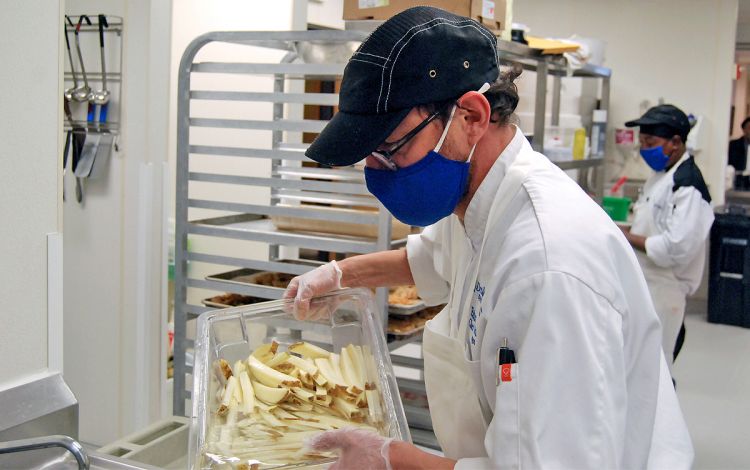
[(356, 448), (319, 281)]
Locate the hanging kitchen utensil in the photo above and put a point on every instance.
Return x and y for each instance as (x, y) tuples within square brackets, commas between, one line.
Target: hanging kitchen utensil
[(69, 91), (103, 155), (86, 161), (68, 138), (79, 138), (81, 93), (101, 97)]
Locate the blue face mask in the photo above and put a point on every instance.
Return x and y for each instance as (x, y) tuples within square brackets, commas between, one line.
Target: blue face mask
[(655, 157), (425, 192)]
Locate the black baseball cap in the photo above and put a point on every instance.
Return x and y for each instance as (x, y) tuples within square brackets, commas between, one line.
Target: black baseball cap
[(664, 121), (422, 55)]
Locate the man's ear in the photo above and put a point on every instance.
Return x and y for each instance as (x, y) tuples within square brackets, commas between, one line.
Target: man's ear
[(475, 115)]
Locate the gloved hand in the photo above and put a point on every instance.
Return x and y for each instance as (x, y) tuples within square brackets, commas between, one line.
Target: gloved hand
[(356, 448), (319, 281)]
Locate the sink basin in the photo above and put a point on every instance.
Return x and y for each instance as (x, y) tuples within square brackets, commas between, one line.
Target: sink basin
[(59, 459)]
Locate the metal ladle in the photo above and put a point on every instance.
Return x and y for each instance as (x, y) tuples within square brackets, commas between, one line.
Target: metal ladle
[(69, 91), (101, 97), (81, 93)]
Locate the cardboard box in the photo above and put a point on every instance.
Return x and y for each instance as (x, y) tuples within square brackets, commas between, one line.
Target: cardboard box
[(491, 13)]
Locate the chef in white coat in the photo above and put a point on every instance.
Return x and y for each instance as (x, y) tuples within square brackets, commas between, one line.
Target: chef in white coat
[(522, 256), (671, 219)]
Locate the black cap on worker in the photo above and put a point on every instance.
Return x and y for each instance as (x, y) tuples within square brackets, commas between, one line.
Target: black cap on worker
[(664, 121), (422, 55)]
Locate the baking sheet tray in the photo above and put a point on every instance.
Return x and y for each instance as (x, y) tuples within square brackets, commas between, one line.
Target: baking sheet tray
[(399, 309)]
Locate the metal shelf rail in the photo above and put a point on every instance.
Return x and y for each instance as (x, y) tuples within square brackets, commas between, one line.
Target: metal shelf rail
[(288, 182)]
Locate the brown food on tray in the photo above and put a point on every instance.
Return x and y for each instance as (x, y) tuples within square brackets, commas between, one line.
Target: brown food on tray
[(403, 295), (233, 300), (406, 324), (280, 280)]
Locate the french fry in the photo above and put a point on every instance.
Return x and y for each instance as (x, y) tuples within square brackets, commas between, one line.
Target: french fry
[(306, 365), (248, 394), (309, 351), (265, 352), (279, 358), (270, 377), (225, 369), (269, 395), (229, 391)]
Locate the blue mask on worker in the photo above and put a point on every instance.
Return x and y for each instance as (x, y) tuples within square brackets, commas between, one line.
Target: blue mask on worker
[(655, 157), (425, 192)]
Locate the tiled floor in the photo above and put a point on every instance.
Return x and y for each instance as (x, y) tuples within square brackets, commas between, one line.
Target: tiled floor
[(713, 385)]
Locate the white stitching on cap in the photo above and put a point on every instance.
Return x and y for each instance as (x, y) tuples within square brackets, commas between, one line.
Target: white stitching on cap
[(382, 76), (367, 61), (378, 56), (454, 24)]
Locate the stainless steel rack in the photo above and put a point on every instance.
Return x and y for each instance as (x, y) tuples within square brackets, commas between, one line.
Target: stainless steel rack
[(286, 180)]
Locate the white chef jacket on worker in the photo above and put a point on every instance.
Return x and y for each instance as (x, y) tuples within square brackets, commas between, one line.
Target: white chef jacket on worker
[(674, 212), (557, 279)]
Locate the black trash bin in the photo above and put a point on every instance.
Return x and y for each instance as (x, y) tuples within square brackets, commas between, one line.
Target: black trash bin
[(729, 264)]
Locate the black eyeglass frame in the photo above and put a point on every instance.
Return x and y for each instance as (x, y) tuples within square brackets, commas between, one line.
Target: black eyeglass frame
[(385, 157)]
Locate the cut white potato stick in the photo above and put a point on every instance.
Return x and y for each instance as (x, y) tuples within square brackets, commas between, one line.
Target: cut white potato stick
[(335, 361), (278, 358), (308, 350), (286, 368), (349, 369), (270, 377), (355, 354), (373, 404), (265, 352), (325, 401), (248, 394), (297, 407), (225, 369), (330, 376), (269, 395), (302, 394), (229, 390), (321, 381), (263, 406), (348, 409), (271, 419), (239, 367), (306, 365), (281, 413)]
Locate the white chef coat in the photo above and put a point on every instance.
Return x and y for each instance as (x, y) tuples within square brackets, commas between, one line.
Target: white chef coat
[(559, 281), (674, 212)]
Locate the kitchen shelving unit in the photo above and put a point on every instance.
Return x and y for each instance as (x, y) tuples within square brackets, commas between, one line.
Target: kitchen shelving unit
[(306, 55)]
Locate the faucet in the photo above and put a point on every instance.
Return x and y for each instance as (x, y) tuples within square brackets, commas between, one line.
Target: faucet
[(72, 446)]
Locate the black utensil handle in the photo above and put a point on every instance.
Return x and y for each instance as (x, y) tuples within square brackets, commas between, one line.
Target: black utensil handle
[(67, 148), (102, 24), (67, 41)]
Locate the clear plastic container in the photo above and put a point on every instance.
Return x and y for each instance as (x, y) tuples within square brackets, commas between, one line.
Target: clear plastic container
[(345, 318)]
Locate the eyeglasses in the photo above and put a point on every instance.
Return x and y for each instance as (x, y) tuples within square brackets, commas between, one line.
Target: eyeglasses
[(385, 157)]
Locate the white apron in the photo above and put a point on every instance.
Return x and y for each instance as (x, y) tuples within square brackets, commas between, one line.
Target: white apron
[(666, 292), (452, 381)]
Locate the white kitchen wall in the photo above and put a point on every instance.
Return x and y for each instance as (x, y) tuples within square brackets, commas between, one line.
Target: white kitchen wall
[(114, 325), (679, 50), (30, 195)]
